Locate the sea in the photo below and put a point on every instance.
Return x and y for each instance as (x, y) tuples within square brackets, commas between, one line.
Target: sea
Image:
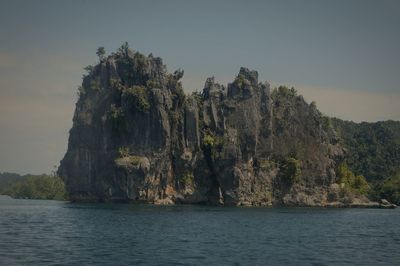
[(44, 232)]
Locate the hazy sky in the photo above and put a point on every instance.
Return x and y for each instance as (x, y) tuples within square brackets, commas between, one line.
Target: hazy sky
[(343, 54)]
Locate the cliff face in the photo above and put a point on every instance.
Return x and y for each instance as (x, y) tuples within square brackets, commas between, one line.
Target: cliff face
[(137, 137)]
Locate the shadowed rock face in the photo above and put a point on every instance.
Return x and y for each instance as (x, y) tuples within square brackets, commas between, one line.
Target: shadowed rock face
[(137, 137)]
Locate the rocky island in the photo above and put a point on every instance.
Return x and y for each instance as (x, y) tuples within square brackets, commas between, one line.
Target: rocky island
[(138, 137)]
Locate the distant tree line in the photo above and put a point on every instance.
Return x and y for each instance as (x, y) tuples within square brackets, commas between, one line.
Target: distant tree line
[(43, 186), (373, 151)]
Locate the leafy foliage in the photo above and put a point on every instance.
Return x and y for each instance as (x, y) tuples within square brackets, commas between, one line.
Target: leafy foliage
[(7, 180), (117, 118), (132, 67), (290, 170), (116, 112), (95, 84), (389, 189), (283, 92), (239, 80), (209, 140), (187, 179), (89, 69), (124, 49), (265, 163), (212, 144), (116, 84), (137, 97), (123, 152), (152, 84), (125, 156), (355, 183), (38, 187), (373, 149), (101, 53), (198, 97), (175, 86), (178, 74), (326, 122)]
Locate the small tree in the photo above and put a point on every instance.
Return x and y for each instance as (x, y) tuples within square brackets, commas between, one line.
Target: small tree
[(356, 184), (101, 53), (89, 69), (124, 151), (124, 49), (291, 170)]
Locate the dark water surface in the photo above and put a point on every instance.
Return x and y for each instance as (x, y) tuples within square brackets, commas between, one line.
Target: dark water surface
[(34, 232)]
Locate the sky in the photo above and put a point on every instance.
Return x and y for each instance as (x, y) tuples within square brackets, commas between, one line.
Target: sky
[(342, 54)]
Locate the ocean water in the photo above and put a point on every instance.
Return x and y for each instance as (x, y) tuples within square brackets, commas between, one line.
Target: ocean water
[(36, 232)]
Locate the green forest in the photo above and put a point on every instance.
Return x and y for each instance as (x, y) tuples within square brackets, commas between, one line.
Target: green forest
[(373, 151), (43, 186)]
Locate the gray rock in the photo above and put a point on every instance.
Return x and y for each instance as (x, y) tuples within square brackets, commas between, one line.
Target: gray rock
[(137, 137)]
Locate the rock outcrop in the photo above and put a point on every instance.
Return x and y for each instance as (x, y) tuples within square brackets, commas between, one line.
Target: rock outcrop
[(137, 137)]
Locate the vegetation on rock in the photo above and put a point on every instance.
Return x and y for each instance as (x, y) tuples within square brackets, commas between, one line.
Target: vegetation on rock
[(138, 98), (283, 92), (348, 180), (187, 179), (242, 141), (124, 152), (265, 164), (290, 170), (101, 53)]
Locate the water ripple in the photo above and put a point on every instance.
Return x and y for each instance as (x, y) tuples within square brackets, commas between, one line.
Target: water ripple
[(58, 233)]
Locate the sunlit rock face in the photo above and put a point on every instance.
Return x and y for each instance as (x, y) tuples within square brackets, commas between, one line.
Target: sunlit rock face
[(137, 137)]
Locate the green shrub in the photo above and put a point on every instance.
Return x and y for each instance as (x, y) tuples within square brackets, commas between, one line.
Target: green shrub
[(198, 97), (239, 80), (212, 141), (209, 140), (175, 86), (152, 84), (373, 149), (390, 189), (265, 163), (124, 49), (89, 69), (137, 96), (95, 84), (356, 184), (326, 123), (81, 91), (123, 152), (126, 158), (290, 170), (39, 187), (101, 53), (116, 112), (134, 159), (116, 84), (117, 117), (283, 92), (187, 179), (212, 144)]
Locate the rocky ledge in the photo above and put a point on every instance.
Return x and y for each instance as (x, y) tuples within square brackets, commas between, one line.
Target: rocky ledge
[(138, 137)]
